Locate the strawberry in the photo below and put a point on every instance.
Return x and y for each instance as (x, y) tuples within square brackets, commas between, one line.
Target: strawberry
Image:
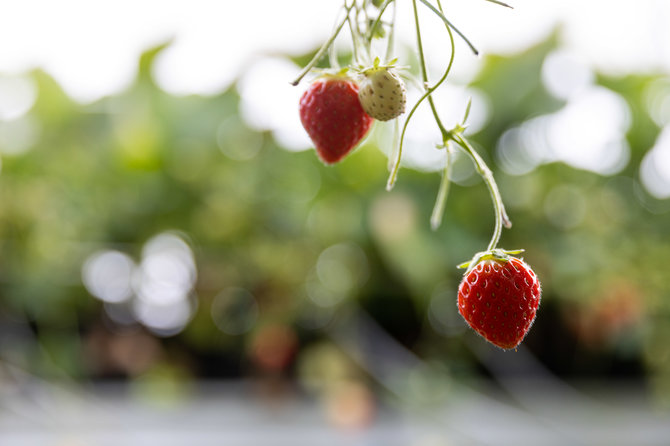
[(499, 297), (333, 117), (382, 93)]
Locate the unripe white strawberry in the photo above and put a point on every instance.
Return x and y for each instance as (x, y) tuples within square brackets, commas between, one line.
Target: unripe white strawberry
[(382, 93)]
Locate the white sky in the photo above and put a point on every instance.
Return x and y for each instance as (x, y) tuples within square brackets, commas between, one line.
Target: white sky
[(91, 47)]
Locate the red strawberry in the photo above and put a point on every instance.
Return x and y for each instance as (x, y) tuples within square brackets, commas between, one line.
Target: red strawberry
[(333, 117), (499, 299)]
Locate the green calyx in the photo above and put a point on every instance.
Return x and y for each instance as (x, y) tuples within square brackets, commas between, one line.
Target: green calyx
[(500, 255), (343, 74), (377, 66), (329, 73)]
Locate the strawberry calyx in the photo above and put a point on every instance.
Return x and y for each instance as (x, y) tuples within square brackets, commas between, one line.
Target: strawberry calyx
[(377, 65), (329, 73), (500, 255)]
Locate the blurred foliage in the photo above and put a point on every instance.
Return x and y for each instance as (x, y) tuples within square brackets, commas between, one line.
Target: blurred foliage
[(310, 243)]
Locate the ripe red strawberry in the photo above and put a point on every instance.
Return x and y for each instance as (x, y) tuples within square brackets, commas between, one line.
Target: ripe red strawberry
[(499, 299), (332, 115)]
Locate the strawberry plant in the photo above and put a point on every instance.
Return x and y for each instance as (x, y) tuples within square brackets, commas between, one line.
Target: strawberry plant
[(499, 294)]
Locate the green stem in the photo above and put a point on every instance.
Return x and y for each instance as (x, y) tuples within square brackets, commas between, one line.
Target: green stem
[(497, 2), (332, 52), (449, 24), (422, 64), (391, 36), (395, 145), (487, 176), (427, 94), (362, 54), (319, 54), (441, 200), (357, 58), (377, 21), (398, 153)]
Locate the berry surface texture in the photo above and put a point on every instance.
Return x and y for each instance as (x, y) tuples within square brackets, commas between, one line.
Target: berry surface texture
[(382, 93), (499, 300), (331, 113)]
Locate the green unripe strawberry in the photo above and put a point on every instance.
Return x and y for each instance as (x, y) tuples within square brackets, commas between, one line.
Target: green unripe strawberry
[(382, 93)]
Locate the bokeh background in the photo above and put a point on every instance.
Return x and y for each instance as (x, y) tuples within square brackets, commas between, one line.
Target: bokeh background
[(176, 264)]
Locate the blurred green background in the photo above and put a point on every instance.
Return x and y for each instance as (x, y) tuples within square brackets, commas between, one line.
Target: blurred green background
[(150, 238)]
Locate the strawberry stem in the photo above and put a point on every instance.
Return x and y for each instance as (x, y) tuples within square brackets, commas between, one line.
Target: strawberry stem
[(391, 37), (443, 191), (354, 39), (319, 54), (395, 145), (427, 94), (456, 135), (377, 22), (446, 21), (501, 216), (424, 71), (500, 3)]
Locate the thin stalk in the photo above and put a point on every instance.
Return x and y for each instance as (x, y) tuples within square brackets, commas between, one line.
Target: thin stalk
[(398, 153), (497, 2), (487, 176), (357, 58), (427, 94), (332, 53), (377, 21), (395, 145), (449, 24), (441, 200), (422, 64), (391, 36), (501, 218), (319, 54), (357, 17), (360, 37), (361, 48)]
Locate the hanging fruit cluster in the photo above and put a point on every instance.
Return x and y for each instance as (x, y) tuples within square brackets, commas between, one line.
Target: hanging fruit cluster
[(499, 294)]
